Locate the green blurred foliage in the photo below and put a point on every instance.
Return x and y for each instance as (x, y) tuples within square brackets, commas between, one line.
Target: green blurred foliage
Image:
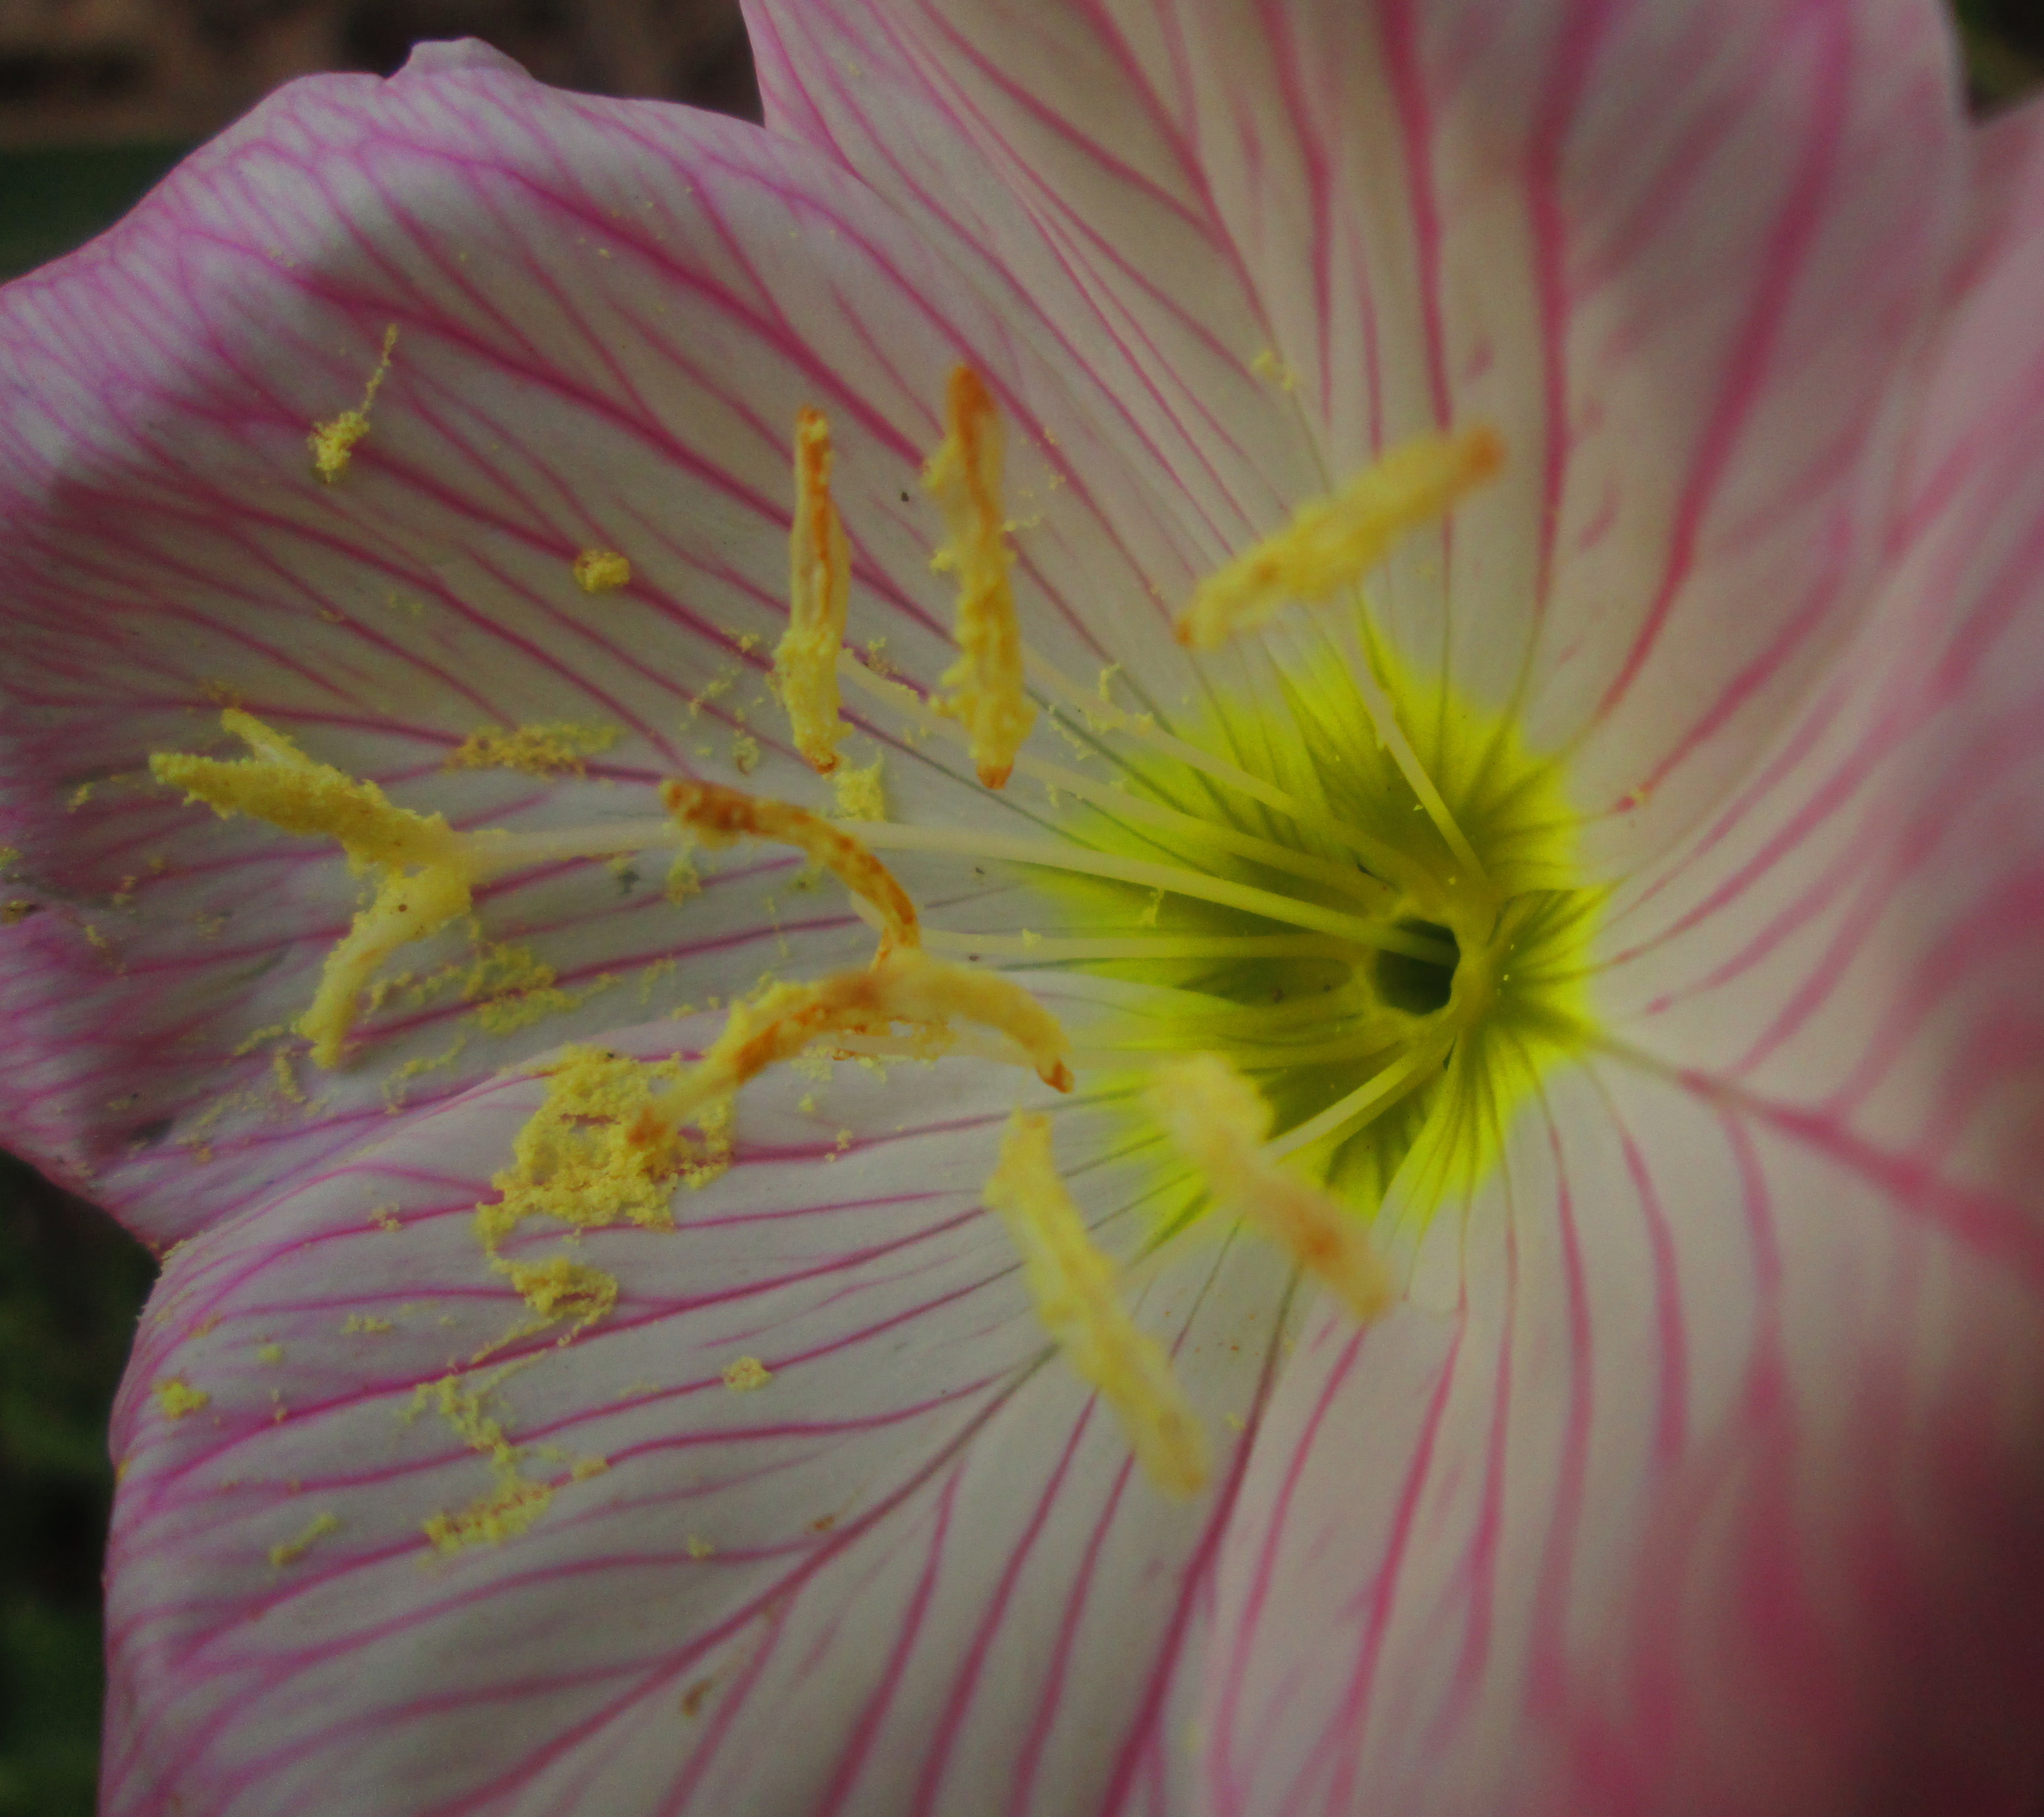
[(71, 1284), (59, 197)]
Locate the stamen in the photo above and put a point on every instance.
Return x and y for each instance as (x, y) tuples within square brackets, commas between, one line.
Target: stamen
[(819, 589), (964, 478), (1048, 947), (1370, 1101), (722, 816), (906, 986), (429, 872), (406, 907), (1175, 879), (1072, 1283), (1126, 806), (1220, 1122), (1332, 543), (1383, 858)]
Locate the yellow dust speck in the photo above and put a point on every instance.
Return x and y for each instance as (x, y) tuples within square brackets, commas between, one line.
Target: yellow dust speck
[(860, 793), (1073, 1283), (386, 1218), (747, 1374), (269, 1353), (16, 910), (287, 1077), (10, 856), (807, 1104), (699, 1547), (583, 1469), (744, 753), (1267, 365), (294, 1550), (177, 1397), (601, 570), (553, 747), (331, 444), (79, 797), (365, 1323)]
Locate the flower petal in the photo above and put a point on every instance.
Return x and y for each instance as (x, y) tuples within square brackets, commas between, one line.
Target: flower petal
[(917, 1548), (1726, 1456), (1678, 255), (1711, 1495), (608, 314)]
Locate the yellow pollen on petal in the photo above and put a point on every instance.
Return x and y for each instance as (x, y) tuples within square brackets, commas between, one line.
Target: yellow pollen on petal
[(1221, 1124), (583, 1157), (601, 570), (819, 592), (552, 748), (1332, 542), (860, 794), (294, 1550), (722, 816), (331, 444), (747, 1375), (964, 476), (1073, 1286), (559, 1288), (177, 1397)]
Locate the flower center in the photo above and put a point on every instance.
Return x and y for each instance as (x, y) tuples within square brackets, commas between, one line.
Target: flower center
[(1325, 936)]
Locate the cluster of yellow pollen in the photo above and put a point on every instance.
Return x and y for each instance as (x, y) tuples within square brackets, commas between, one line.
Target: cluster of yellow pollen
[(333, 443), (1303, 1006)]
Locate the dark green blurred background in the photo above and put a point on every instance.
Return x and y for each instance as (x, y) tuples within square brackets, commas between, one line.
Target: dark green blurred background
[(70, 1283)]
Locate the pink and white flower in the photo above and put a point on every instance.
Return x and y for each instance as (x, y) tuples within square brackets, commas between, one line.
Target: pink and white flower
[(1701, 1469)]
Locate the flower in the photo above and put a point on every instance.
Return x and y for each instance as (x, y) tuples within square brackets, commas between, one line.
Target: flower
[(730, 1466)]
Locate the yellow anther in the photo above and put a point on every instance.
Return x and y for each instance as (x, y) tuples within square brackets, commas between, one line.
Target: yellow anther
[(964, 478), (601, 570), (819, 589), (280, 784), (406, 907), (1220, 1123), (722, 816), (333, 443), (1074, 1286), (908, 985), (427, 869), (1332, 543)]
